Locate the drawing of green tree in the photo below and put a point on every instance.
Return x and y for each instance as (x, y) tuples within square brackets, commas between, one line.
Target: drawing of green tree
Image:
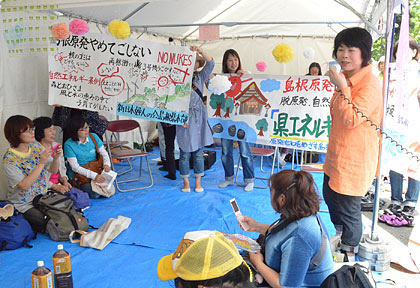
[(261, 125), (217, 101), (228, 107)]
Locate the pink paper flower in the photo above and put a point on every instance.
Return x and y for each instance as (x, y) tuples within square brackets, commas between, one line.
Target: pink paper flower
[(79, 27), (60, 31), (261, 66)]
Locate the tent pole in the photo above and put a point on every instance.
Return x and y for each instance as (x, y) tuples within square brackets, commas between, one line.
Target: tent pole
[(385, 87), (230, 24), (348, 6), (135, 11)]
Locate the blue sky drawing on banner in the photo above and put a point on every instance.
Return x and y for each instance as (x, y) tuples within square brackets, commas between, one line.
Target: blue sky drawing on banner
[(277, 110), (131, 77)]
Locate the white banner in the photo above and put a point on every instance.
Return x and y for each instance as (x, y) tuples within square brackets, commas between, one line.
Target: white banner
[(133, 78), (286, 111)]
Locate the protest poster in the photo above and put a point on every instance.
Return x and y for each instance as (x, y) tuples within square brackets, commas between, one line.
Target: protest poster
[(286, 111), (401, 149), (401, 125), (129, 77)]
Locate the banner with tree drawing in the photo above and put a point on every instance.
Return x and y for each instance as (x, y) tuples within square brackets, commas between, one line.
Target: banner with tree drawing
[(286, 111), (133, 78)]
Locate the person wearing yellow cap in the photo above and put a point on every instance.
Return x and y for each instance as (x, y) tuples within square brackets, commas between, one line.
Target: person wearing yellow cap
[(205, 259)]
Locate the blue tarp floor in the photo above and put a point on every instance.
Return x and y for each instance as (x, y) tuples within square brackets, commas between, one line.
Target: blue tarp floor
[(160, 215)]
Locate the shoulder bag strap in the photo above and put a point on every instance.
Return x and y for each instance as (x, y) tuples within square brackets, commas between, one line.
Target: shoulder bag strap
[(198, 91), (317, 259), (94, 141), (277, 226)]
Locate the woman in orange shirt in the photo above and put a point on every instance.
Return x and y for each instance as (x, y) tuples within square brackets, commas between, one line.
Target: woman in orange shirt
[(353, 147)]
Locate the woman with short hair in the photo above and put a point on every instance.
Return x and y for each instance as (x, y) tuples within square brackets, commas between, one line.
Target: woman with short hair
[(27, 165), (353, 147)]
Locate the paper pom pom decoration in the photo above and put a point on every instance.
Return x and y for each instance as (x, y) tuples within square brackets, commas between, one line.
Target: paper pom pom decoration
[(309, 53), (283, 53), (60, 31), (79, 27), (119, 29), (219, 84), (261, 66)]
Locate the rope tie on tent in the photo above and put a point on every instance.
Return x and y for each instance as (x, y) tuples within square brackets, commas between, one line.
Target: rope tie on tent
[(379, 129)]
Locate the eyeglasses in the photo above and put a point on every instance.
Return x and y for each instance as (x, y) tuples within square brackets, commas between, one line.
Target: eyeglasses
[(84, 129), (29, 130)]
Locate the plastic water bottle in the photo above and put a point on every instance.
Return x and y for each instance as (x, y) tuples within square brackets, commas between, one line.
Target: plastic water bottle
[(62, 268), (41, 277)]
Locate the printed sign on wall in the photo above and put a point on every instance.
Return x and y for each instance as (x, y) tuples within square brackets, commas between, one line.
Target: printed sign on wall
[(133, 78), (286, 111)]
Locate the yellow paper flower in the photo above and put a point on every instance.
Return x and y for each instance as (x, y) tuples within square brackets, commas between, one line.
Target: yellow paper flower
[(283, 53), (119, 29)]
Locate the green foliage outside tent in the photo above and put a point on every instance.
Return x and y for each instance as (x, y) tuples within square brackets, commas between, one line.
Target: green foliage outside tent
[(414, 10)]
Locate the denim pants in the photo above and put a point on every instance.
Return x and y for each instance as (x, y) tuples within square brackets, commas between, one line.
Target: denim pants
[(87, 187), (246, 159), (412, 194), (198, 163), (346, 215)]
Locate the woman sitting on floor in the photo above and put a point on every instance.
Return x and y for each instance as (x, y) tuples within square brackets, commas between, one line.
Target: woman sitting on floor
[(45, 135), (26, 165), (224, 267), (86, 155), (297, 250)]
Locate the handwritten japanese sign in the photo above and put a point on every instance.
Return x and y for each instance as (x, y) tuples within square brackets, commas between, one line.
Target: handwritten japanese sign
[(133, 78), (401, 124), (286, 111)]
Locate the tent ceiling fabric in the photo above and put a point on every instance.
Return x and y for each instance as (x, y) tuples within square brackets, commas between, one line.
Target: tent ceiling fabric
[(333, 16)]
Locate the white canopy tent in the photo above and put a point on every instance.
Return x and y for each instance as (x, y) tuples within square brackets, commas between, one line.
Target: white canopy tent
[(251, 27)]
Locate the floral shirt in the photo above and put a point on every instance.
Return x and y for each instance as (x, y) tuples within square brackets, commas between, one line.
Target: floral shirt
[(17, 166)]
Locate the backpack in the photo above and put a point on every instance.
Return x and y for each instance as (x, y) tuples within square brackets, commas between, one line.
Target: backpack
[(61, 217), (15, 231), (348, 277)]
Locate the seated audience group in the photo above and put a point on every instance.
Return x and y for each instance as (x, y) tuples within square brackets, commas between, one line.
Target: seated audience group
[(295, 249)]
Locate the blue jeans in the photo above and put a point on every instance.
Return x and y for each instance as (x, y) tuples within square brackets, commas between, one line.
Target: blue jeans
[(198, 163), (246, 159), (88, 189), (412, 194)]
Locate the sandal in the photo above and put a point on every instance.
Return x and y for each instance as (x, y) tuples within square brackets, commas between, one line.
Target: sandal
[(403, 220), (386, 218)]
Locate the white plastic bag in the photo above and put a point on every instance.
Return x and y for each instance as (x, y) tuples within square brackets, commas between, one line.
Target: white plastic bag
[(106, 233)]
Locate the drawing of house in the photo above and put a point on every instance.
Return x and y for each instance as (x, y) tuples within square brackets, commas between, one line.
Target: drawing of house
[(251, 100)]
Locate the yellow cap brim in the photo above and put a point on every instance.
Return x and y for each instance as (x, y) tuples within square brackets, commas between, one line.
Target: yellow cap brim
[(164, 268)]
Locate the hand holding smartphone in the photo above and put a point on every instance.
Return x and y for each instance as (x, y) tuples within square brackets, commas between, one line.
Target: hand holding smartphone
[(55, 147), (238, 214)]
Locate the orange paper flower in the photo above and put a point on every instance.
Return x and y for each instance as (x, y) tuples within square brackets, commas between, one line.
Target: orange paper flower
[(60, 31)]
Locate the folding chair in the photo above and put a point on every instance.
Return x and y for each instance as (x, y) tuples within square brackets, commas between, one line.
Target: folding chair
[(262, 152), (114, 139), (119, 126)]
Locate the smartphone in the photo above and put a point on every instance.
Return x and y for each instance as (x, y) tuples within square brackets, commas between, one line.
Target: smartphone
[(238, 213), (54, 148)]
